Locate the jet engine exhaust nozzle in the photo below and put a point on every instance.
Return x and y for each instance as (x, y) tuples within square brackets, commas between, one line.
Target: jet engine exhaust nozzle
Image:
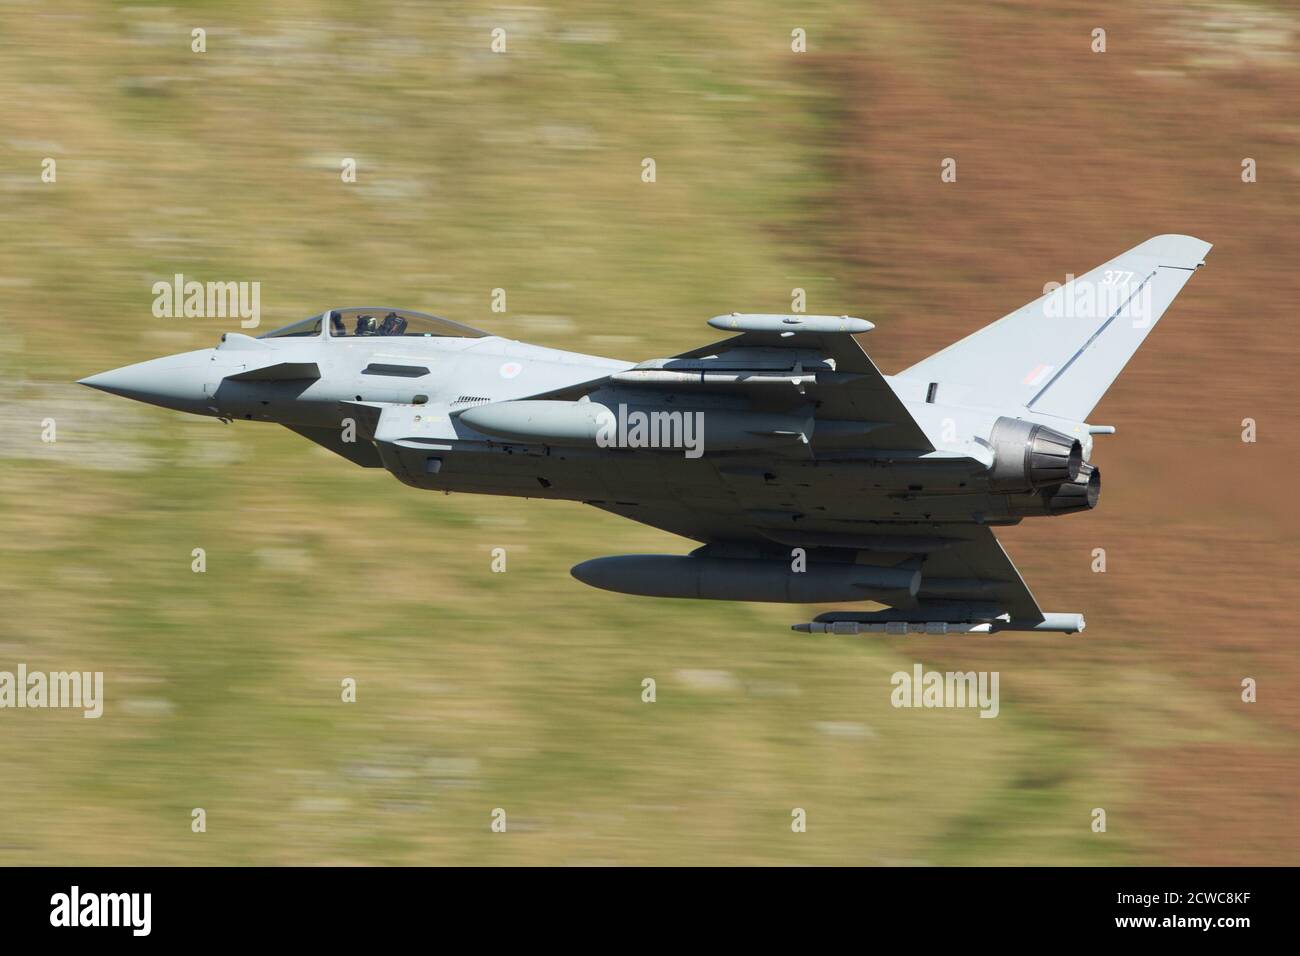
[(1029, 456), (1081, 494)]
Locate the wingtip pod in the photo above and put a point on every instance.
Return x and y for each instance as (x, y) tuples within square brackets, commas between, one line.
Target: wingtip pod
[(763, 322)]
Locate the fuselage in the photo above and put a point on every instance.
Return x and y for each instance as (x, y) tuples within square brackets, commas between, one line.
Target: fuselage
[(422, 385)]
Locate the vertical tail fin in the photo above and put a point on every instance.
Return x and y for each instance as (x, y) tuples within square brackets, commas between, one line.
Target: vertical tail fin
[(1058, 354)]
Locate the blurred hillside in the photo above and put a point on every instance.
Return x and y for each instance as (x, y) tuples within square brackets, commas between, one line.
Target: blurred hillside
[(522, 171)]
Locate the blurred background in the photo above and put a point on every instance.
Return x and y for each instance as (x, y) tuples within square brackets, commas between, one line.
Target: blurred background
[(775, 170)]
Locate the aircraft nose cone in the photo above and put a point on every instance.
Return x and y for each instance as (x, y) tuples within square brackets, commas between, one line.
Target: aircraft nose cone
[(175, 381), (117, 381)]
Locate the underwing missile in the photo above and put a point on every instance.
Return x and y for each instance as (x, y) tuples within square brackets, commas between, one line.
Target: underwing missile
[(1053, 621)]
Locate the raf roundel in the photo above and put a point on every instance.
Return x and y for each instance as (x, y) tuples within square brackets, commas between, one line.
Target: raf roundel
[(511, 369)]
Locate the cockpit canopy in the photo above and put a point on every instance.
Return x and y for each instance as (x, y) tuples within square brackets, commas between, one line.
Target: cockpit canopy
[(364, 322)]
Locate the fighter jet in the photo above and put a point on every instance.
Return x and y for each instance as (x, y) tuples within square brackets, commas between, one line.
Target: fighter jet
[(803, 472)]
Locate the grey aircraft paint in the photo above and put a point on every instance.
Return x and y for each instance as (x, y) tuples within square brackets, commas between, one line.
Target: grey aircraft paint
[(806, 475)]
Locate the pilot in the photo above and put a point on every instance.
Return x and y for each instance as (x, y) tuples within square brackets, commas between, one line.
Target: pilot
[(393, 324), (366, 325), (337, 327)]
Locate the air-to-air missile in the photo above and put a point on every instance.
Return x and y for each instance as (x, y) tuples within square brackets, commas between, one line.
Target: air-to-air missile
[(891, 622)]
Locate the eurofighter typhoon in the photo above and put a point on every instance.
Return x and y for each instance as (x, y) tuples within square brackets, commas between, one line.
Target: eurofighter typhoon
[(805, 474)]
